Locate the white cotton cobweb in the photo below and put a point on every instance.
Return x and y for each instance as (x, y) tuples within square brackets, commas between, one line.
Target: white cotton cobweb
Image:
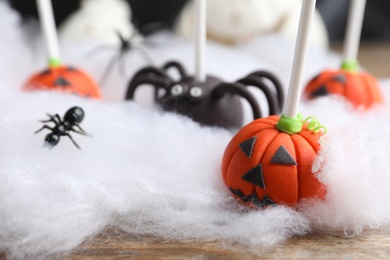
[(151, 173)]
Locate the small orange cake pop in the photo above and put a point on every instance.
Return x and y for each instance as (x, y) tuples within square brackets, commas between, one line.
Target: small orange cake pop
[(358, 87), (269, 161), (57, 76), (64, 78)]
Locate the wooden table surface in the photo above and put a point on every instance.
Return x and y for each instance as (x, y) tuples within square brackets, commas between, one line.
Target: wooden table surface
[(369, 245), (375, 57)]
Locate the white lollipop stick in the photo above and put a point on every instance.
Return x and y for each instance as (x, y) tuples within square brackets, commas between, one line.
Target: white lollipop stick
[(296, 80), (46, 17), (200, 36), (354, 28)]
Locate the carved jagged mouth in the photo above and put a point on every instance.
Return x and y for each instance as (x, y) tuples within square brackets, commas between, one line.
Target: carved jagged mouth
[(260, 203)]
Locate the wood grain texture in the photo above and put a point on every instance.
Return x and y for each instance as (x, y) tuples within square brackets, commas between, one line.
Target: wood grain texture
[(369, 245)]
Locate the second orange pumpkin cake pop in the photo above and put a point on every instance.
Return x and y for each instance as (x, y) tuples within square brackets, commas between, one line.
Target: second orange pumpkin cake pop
[(59, 77), (358, 87)]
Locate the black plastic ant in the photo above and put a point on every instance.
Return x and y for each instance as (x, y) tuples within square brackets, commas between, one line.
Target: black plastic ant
[(72, 119)]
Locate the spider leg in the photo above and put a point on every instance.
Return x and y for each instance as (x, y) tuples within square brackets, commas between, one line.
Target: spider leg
[(272, 101), (152, 70), (149, 76), (43, 127), (145, 55), (122, 67), (178, 66), (238, 89), (73, 141), (55, 119), (275, 81), (123, 41), (108, 69)]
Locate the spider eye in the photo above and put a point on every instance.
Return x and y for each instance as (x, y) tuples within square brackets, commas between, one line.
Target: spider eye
[(177, 90), (196, 92)]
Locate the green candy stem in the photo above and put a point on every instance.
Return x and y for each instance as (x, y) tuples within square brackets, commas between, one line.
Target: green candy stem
[(350, 65), (54, 62), (290, 125), (294, 125)]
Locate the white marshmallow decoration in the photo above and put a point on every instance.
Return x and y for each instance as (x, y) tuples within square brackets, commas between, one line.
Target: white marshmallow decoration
[(237, 21), (101, 21)]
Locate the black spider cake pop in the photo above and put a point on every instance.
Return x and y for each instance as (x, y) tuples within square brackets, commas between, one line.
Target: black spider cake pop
[(212, 102)]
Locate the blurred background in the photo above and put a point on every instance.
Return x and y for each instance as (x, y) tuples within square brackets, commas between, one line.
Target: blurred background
[(376, 23), (152, 15), (374, 52)]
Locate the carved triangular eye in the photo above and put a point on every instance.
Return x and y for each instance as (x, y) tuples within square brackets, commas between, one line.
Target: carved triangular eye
[(247, 146), (282, 156), (340, 78), (255, 176), (320, 92), (60, 81)]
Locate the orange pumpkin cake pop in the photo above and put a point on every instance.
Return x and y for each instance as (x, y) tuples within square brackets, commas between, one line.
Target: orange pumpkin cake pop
[(58, 77), (64, 78), (358, 87), (269, 161)]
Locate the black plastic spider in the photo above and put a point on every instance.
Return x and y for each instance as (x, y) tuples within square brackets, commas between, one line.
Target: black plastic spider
[(126, 45), (72, 119), (213, 102)]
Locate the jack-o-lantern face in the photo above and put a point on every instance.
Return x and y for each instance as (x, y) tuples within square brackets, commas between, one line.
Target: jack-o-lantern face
[(66, 79), (360, 88), (263, 165)]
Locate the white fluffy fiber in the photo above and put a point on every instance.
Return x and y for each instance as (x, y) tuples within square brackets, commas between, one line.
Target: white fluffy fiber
[(152, 173)]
